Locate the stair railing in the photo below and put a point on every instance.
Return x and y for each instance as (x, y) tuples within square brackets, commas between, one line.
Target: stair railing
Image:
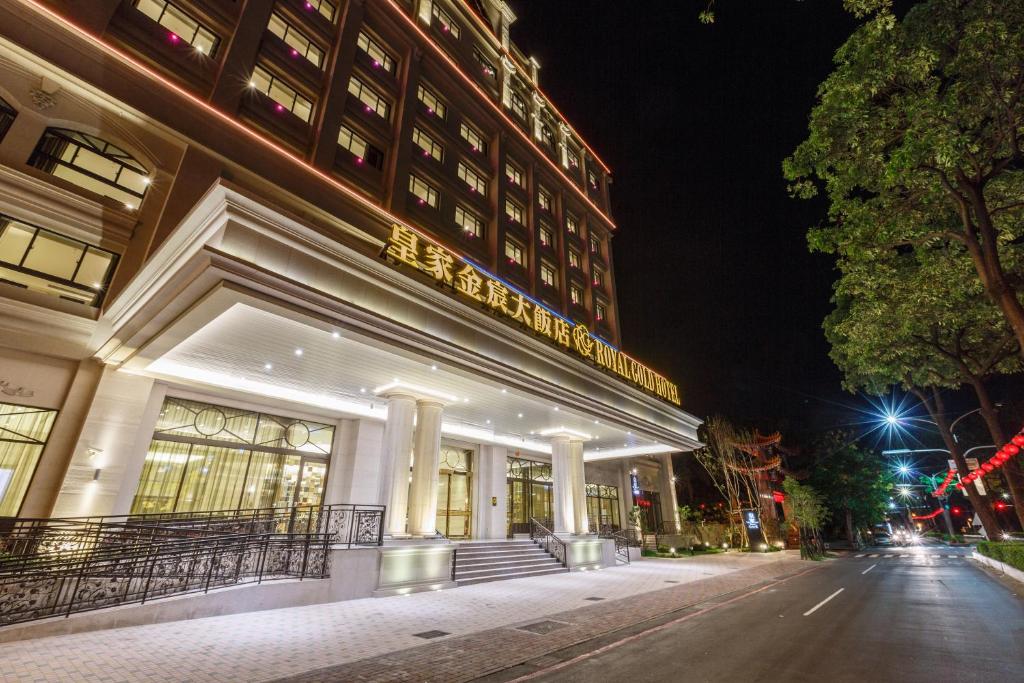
[(546, 538), (624, 540)]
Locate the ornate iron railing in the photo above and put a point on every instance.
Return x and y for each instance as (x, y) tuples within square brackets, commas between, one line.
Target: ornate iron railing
[(54, 567), (624, 540), (546, 538)]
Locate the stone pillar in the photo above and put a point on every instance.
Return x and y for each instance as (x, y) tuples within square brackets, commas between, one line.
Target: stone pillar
[(579, 487), (667, 484), (562, 486), (425, 463), (396, 451), (626, 494)]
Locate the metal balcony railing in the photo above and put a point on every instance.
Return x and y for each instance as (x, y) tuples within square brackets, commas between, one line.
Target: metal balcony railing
[(56, 567)]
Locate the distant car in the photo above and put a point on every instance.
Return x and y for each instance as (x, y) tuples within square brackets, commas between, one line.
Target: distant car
[(881, 538)]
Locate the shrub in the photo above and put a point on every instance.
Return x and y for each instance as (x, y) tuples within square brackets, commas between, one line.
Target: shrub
[(662, 548), (1011, 553)]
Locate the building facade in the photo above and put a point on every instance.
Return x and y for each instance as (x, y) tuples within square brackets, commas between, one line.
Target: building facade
[(260, 253)]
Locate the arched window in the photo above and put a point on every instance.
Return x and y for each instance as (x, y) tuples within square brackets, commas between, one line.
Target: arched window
[(91, 163), (7, 115)]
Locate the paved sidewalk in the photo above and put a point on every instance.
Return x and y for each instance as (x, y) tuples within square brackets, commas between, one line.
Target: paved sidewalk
[(315, 640)]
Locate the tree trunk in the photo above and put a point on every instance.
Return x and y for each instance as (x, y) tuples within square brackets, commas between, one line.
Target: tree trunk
[(849, 528), (1014, 480), (936, 410)]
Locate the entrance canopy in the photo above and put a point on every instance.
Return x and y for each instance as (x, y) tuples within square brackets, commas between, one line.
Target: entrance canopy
[(246, 299)]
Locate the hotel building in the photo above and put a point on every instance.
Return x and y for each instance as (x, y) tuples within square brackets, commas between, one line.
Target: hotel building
[(261, 253)]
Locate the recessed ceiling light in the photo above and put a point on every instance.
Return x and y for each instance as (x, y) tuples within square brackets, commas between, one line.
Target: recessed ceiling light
[(598, 448), (597, 422), (519, 415), (268, 366), (362, 390), (624, 445), (335, 334), (298, 352), (504, 391), (433, 367), (556, 409), (532, 432), (488, 422), (465, 400), (629, 433)]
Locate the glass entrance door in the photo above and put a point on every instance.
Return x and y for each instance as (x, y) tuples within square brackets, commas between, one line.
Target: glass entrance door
[(454, 496), (529, 494)]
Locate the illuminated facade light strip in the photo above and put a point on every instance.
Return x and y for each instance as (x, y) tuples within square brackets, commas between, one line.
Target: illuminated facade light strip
[(496, 42), (487, 98)]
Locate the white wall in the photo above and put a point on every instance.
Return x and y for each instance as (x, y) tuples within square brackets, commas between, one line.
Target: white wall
[(490, 521), (353, 475)]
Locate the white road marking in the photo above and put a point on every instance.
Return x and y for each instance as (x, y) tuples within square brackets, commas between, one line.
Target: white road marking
[(815, 608), (952, 557), (861, 555), (905, 556), (869, 569), (873, 555)]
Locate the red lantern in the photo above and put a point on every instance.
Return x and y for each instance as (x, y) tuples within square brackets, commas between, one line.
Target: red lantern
[(987, 466), (1018, 440), (1011, 449)]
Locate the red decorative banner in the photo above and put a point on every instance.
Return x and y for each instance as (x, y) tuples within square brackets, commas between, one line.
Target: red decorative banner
[(996, 461), (941, 489), (930, 515)]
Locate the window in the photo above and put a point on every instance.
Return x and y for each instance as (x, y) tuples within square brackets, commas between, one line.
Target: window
[(598, 277), (518, 105), (424, 193), (547, 137), (371, 99), (514, 174), (473, 137), (445, 20), (514, 212), (47, 262), (476, 182), (485, 65), (283, 94), (300, 45), (208, 457), (514, 252), (324, 8), (23, 434), (182, 26), (600, 311), (595, 245), (364, 152), (572, 224), (603, 506), (7, 116), (548, 275), (576, 295), (432, 102), (544, 199), (592, 179), (381, 58), (430, 147), (574, 160), (547, 235), (91, 163), (470, 223), (574, 259)]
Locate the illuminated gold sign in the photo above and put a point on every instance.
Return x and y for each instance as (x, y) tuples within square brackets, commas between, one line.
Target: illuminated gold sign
[(408, 248)]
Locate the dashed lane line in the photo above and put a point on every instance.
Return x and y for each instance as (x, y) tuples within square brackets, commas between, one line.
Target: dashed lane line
[(820, 604), (869, 569)]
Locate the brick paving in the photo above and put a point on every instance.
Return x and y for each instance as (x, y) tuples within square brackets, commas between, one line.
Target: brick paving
[(374, 638), (476, 655)]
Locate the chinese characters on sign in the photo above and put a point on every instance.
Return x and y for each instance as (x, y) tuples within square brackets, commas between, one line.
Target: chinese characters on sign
[(408, 248)]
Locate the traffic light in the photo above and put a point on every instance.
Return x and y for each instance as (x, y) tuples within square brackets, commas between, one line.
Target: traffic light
[(1000, 505), (957, 511)]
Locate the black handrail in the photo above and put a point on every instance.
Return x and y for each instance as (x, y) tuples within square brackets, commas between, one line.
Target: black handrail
[(51, 567), (547, 539)]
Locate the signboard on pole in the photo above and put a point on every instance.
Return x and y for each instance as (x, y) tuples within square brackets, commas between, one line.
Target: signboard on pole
[(972, 464), (752, 523)]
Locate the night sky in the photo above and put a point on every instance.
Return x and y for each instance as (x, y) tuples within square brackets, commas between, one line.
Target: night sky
[(716, 286)]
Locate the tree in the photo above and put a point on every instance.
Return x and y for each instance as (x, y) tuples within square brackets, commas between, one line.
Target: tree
[(875, 332), (852, 481), (809, 513), (916, 140)]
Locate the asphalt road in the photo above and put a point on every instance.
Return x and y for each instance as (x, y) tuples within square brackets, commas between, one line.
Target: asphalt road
[(893, 614)]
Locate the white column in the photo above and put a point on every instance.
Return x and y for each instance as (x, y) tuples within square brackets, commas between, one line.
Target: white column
[(425, 463), (490, 481), (396, 451), (579, 487), (669, 506), (562, 485), (354, 473), (626, 493)]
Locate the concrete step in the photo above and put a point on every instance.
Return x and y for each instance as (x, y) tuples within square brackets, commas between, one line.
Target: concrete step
[(506, 569), (497, 554), (497, 544), (511, 575), (507, 561)]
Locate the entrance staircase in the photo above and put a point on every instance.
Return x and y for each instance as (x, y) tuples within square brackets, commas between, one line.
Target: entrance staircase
[(501, 560)]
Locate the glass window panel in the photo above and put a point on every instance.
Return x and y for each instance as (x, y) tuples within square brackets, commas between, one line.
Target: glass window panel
[(289, 481), (161, 477), (213, 479), (94, 268), (54, 255), (311, 488), (23, 434), (263, 482), (14, 241)]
